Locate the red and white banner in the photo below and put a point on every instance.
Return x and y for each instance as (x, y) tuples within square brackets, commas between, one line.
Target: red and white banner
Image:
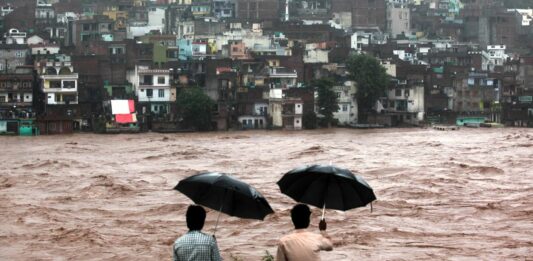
[(122, 107)]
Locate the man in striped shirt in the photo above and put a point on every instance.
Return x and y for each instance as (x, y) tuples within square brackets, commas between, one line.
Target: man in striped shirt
[(195, 245)]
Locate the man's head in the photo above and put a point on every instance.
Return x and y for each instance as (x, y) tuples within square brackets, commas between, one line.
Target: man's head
[(195, 217), (300, 216)]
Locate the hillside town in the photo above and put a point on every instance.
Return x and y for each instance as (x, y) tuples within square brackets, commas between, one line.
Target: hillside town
[(113, 66)]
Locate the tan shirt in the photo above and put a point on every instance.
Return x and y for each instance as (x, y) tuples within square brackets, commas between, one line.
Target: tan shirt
[(302, 245)]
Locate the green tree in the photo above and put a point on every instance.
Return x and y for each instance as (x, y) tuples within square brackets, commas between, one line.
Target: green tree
[(309, 120), (327, 101), (195, 108), (372, 81)]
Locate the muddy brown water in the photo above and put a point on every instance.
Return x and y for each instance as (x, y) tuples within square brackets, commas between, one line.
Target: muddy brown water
[(454, 195)]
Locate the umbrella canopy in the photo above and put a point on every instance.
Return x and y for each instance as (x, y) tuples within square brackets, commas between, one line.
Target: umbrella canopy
[(326, 186), (225, 193)]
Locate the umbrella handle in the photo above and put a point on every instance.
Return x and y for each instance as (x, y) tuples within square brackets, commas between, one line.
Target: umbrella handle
[(323, 210), (219, 211), (216, 224)]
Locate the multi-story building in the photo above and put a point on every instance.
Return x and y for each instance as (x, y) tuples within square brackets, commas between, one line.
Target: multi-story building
[(495, 56), (14, 53), (398, 20), (347, 113), (16, 94), (404, 100), (365, 13), (281, 78), (224, 8), (59, 82), (257, 10), (153, 89), (93, 29), (59, 85), (201, 8), (476, 93)]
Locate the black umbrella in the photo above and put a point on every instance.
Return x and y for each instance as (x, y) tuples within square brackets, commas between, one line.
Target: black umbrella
[(326, 186), (226, 194)]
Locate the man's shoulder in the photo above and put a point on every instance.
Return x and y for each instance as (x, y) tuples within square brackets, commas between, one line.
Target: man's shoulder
[(194, 237), (297, 235)]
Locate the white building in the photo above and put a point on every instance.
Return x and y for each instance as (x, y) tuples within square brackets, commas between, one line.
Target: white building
[(527, 15), (315, 54), (5, 10), (59, 82), (494, 56), (14, 36), (152, 87), (347, 113)]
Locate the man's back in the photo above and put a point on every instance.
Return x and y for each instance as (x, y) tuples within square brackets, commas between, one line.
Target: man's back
[(302, 245), (196, 246)]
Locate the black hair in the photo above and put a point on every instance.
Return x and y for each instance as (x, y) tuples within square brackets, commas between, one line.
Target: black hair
[(300, 215), (195, 217)]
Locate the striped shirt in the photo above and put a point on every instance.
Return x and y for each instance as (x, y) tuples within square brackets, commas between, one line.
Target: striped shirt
[(196, 246)]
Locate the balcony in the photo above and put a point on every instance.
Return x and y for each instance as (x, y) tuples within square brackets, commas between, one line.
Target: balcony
[(281, 72), (59, 77), (15, 102)]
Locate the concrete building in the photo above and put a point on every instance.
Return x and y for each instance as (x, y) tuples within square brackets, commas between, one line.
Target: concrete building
[(14, 36), (493, 57), (365, 13), (224, 8), (398, 20), (316, 53), (257, 10), (92, 29), (59, 82), (13, 56), (347, 113), (16, 94), (153, 89)]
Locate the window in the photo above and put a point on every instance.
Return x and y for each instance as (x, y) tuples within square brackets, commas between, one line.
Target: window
[(2, 98), (147, 80), (338, 94), (406, 93), (19, 54), (69, 84), (344, 107), (161, 93), (398, 92), (149, 93), (55, 84), (161, 80)]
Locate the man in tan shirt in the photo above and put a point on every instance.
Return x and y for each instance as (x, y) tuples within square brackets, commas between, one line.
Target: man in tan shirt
[(302, 245)]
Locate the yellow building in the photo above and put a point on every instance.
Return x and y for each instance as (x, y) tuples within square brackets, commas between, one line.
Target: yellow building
[(120, 18)]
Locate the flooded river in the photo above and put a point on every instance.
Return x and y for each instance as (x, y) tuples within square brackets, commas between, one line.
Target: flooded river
[(455, 195)]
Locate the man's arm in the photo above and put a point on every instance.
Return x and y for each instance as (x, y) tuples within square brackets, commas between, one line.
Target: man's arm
[(176, 258), (280, 256), (215, 253), (325, 240)]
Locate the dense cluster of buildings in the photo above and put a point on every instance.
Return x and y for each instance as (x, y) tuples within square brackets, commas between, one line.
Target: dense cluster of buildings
[(118, 65)]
